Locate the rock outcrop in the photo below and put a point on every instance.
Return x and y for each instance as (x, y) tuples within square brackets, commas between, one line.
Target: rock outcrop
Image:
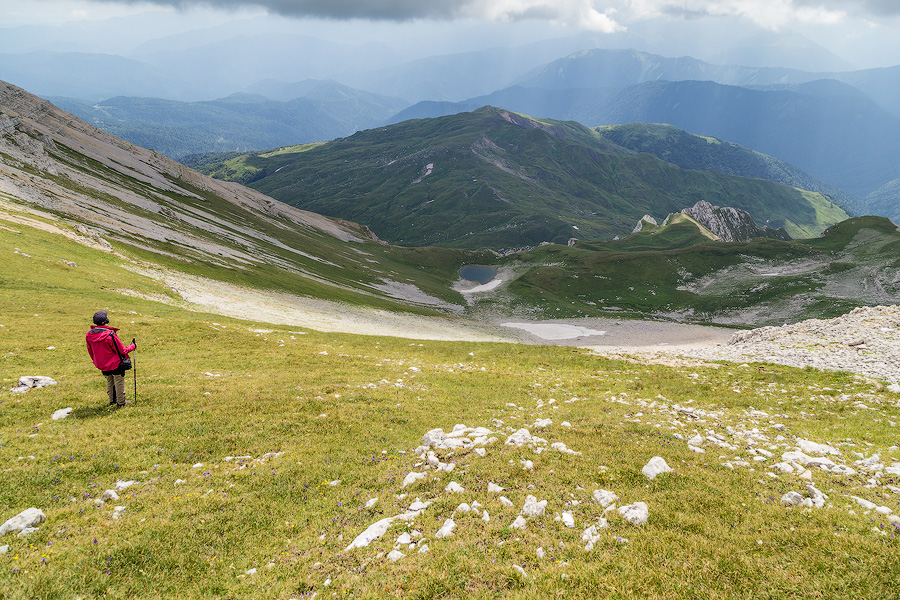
[(731, 224)]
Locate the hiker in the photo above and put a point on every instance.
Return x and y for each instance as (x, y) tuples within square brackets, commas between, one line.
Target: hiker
[(108, 354)]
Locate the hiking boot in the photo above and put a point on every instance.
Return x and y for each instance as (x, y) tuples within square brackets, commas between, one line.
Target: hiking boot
[(123, 403)]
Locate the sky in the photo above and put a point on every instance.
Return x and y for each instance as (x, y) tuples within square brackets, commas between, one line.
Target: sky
[(864, 32)]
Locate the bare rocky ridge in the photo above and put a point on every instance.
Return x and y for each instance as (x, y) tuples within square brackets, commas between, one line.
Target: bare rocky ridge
[(731, 224), (32, 128)]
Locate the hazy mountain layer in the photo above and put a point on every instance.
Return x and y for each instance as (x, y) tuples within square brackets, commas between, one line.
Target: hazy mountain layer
[(493, 178), (599, 69), (321, 111), (690, 151)]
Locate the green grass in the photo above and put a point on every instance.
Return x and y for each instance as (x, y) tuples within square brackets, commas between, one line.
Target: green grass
[(673, 270), (312, 408)]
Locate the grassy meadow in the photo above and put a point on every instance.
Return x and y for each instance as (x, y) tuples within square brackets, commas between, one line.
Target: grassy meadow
[(256, 448)]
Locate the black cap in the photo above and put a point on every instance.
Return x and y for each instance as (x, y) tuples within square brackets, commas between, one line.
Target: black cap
[(100, 318)]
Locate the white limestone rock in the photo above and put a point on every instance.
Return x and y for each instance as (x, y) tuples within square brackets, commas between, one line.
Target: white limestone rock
[(792, 499), (109, 495), (810, 447), (395, 555), (28, 382), (434, 438), (454, 488), (519, 438), (656, 466), (568, 519), (61, 413), (372, 533), (412, 478), (519, 523), (866, 504), (29, 518), (560, 447), (533, 507), (446, 529), (636, 514), (604, 497)]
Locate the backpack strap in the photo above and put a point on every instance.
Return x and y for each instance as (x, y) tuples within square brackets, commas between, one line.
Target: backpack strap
[(112, 339)]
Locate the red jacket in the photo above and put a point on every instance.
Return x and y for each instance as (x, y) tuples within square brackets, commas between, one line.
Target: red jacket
[(105, 347)]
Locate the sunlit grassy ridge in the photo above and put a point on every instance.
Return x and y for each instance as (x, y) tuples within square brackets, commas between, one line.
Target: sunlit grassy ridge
[(303, 410)]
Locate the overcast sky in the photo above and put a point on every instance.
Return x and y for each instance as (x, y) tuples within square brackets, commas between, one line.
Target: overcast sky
[(862, 31)]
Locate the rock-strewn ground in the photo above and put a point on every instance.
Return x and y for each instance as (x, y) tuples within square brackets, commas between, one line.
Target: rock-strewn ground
[(864, 341)]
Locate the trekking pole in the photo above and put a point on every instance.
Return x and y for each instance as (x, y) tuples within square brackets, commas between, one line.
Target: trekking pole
[(134, 367)]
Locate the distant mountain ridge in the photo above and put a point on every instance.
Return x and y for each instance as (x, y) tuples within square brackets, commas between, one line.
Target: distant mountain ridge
[(80, 185), (240, 122), (690, 151), (857, 152), (602, 69)]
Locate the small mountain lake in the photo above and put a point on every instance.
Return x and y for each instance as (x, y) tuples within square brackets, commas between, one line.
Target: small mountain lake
[(478, 273)]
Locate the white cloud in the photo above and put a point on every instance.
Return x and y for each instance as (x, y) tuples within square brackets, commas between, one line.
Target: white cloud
[(600, 15)]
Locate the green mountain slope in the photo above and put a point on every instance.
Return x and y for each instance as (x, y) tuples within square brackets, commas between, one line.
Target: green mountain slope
[(104, 188), (690, 151), (493, 178)]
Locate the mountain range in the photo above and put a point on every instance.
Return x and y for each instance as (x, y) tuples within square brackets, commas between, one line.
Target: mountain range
[(858, 152), (774, 110), (316, 111), (494, 178), (89, 188)]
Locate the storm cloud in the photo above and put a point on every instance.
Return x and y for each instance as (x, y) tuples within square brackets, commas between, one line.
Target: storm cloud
[(601, 15)]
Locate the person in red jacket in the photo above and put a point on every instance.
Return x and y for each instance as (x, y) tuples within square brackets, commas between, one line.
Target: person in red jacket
[(107, 352)]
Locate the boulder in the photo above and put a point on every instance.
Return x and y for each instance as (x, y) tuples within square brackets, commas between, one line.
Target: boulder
[(27, 382), (446, 529), (656, 466), (792, 499), (27, 519), (61, 413), (519, 438), (636, 514), (605, 497), (533, 507)]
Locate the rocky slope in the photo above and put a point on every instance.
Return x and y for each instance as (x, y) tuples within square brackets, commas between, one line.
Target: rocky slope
[(58, 162), (864, 341)]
